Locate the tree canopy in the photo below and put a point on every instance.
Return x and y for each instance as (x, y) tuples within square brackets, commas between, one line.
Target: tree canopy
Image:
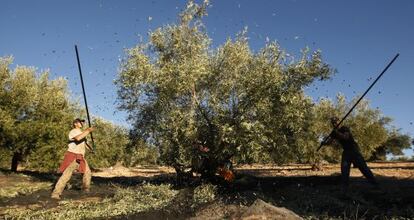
[(371, 129), (34, 112), (36, 115), (178, 91)]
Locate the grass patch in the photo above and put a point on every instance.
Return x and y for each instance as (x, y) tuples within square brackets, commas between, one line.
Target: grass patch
[(126, 201), (24, 186)]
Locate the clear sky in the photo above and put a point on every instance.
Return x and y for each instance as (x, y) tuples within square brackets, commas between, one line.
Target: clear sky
[(358, 38)]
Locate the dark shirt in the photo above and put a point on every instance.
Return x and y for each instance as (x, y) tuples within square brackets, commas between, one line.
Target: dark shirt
[(344, 136)]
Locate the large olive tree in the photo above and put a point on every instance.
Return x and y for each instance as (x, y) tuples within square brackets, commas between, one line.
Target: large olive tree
[(179, 91)]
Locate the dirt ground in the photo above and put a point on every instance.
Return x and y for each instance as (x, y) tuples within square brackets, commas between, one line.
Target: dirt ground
[(310, 194)]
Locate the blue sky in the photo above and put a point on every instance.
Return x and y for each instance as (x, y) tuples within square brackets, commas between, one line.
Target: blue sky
[(358, 38)]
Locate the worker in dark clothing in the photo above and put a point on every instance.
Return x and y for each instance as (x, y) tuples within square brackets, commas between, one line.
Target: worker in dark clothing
[(350, 155)]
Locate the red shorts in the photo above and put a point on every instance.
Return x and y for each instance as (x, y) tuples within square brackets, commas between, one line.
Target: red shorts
[(69, 158)]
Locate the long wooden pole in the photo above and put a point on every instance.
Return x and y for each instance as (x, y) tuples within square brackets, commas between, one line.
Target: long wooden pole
[(84, 95), (349, 112)]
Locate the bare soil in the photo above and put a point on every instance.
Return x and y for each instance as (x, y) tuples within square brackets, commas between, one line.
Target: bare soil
[(308, 193)]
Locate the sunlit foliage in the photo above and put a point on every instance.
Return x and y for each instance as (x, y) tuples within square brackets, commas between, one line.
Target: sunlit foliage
[(34, 115), (178, 91)]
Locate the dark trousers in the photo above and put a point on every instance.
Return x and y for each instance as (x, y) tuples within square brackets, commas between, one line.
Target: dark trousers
[(355, 158)]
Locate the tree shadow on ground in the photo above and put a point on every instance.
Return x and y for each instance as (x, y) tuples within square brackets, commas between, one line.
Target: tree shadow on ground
[(318, 196), (322, 196)]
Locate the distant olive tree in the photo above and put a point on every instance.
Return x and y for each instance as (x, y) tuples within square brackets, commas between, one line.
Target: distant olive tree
[(110, 144), (394, 145), (178, 91), (138, 152)]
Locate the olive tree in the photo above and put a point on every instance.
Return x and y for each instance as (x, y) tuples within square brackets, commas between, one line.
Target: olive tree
[(34, 114), (179, 93), (110, 143), (371, 129), (394, 145)]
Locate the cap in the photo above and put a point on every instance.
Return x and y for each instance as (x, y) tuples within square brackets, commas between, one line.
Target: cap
[(78, 120)]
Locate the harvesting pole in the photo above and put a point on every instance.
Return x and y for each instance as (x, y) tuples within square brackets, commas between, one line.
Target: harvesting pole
[(349, 112), (84, 95)]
